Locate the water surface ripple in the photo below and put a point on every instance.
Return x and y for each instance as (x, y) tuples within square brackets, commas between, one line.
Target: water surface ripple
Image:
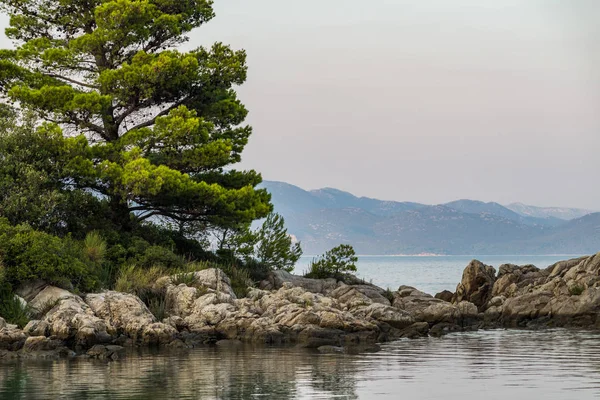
[(499, 364)]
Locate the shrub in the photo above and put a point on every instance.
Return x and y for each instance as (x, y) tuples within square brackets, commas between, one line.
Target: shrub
[(157, 256), (576, 290), (388, 294), (141, 282), (28, 254), (157, 304), (135, 280), (258, 271), (12, 309), (3, 281), (240, 279), (187, 278), (334, 263), (94, 247)]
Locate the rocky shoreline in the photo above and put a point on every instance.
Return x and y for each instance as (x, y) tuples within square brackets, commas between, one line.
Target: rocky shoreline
[(286, 309)]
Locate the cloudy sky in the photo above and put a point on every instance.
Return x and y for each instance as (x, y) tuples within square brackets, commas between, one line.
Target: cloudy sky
[(422, 100)]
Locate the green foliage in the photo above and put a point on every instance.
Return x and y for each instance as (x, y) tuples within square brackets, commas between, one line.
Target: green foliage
[(35, 167), (94, 247), (335, 262), (157, 304), (139, 281), (116, 133), (186, 278), (29, 254), (275, 248), (240, 278), (151, 130), (157, 256), (257, 270), (11, 308), (142, 283), (388, 294), (576, 290)]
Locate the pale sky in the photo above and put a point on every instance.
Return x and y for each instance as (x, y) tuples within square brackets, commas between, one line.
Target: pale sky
[(422, 100)]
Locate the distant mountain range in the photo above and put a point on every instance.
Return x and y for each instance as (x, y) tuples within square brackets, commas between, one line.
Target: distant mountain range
[(324, 218)]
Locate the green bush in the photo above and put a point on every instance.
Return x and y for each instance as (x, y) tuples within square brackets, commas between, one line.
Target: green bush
[(157, 256), (141, 282), (334, 263), (11, 308), (240, 279), (28, 254), (94, 247), (258, 271), (576, 290)]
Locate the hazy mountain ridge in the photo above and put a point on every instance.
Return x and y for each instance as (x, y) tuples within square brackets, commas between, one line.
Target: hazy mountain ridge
[(563, 213), (478, 207), (326, 217)]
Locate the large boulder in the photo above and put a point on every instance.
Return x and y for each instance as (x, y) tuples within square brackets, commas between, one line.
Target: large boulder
[(392, 316), (11, 338), (277, 278), (127, 314), (476, 284), (445, 295), (585, 274), (30, 289), (67, 317), (357, 295), (515, 280), (426, 308)]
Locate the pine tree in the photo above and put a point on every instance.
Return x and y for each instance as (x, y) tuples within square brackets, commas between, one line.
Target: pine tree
[(159, 127)]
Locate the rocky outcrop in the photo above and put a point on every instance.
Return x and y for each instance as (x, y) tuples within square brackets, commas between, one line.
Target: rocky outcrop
[(426, 308), (332, 316), (67, 317), (445, 295), (276, 279), (354, 294), (11, 338), (564, 294), (476, 284), (30, 289), (212, 278), (290, 314), (127, 314)]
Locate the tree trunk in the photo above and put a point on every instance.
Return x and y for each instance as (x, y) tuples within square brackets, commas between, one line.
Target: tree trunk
[(120, 213)]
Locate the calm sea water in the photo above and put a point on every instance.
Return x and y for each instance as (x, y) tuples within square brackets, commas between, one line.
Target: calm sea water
[(499, 364), (429, 274), (515, 365)]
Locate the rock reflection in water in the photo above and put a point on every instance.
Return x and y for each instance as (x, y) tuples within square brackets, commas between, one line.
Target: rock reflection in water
[(205, 373), (551, 364)]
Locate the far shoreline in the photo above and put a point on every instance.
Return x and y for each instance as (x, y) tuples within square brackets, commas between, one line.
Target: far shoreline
[(462, 255)]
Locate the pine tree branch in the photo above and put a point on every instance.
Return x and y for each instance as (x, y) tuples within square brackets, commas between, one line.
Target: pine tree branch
[(72, 81), (166, 111)]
